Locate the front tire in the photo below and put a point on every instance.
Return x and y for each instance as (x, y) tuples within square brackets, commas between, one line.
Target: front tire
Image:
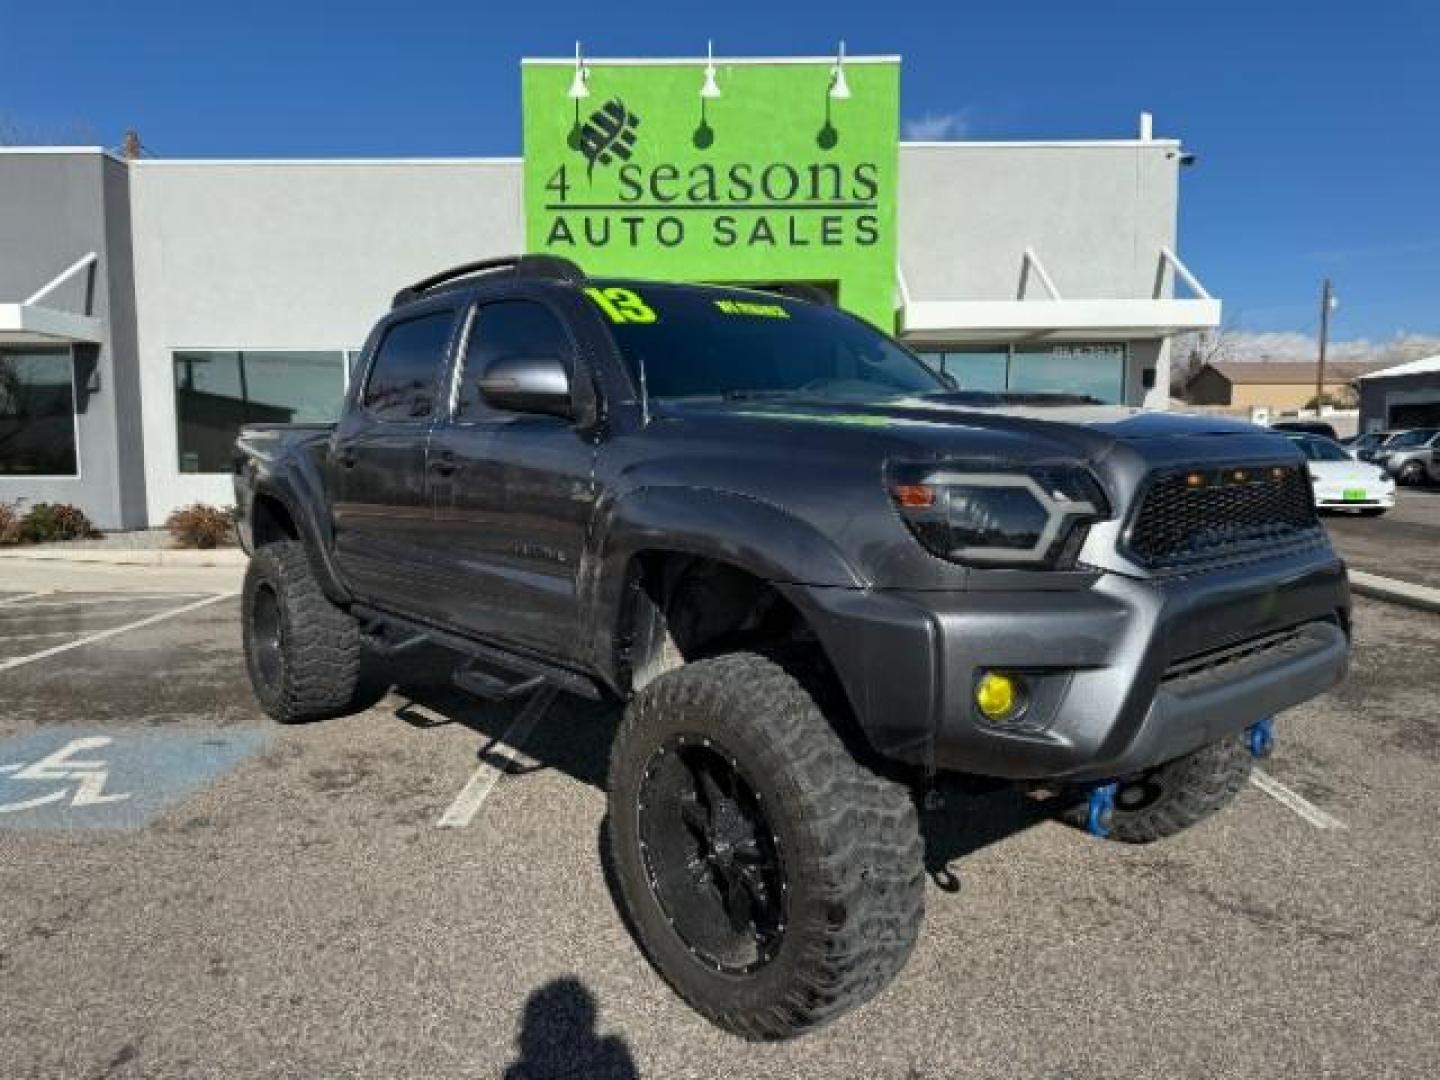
[(1181, 793), (1374, 511), (773, 881), (302, 651), (1411, 474)]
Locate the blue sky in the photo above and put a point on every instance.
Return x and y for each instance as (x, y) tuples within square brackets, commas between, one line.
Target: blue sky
[(1316, 124)]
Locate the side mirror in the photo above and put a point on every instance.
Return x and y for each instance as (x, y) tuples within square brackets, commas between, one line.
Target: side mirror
[(529, 384)]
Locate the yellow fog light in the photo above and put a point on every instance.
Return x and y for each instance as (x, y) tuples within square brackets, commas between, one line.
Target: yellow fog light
[(997, 696)]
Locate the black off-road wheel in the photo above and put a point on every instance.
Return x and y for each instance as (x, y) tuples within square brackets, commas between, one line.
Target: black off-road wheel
[(771, 878), (1177, 795), (301, 649)]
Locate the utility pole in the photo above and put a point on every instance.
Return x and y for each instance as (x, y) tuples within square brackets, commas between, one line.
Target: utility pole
[(1327, 301)]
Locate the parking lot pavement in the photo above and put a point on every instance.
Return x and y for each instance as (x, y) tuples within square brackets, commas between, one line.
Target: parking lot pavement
[(1403, 544), (286, 905)]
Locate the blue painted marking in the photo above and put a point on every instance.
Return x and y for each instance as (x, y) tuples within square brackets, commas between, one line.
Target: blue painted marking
[(71, 778)]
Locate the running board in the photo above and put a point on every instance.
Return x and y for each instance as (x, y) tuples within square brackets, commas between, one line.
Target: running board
[(516, 674)]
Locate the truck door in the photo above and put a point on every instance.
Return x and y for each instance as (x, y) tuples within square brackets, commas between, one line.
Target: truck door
[(513, 493), (379, 458)]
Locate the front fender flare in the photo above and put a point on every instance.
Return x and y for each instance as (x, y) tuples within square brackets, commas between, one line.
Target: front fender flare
[(740, 530)]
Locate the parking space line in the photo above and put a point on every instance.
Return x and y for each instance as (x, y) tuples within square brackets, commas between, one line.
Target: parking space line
[(483, 780), (1307, 810), (129, 598), (38, 633), (6, 665), (25, 596)]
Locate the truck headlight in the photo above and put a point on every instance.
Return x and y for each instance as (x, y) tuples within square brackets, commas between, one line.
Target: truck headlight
[(1033, 518)]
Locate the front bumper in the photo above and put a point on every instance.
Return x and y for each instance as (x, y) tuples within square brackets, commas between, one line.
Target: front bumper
[(1355, 496), (1125, 674)]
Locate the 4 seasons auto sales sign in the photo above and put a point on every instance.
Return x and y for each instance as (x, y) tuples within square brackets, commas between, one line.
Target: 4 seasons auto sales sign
[(776, 179)]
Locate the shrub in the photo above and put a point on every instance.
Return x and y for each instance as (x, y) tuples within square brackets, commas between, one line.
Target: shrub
[(48, 522), (202, 526), (9, 523)]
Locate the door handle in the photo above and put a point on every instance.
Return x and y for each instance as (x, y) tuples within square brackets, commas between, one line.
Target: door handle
[(445, 465)]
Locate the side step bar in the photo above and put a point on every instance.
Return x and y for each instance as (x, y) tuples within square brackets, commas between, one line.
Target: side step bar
[(490, 672)]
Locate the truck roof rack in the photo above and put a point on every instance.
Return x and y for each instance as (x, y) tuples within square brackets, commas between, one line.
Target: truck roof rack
[(547, 267)]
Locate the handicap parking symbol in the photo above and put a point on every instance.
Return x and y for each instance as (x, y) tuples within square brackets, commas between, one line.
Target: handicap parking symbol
[(60, 778), (63, 767)]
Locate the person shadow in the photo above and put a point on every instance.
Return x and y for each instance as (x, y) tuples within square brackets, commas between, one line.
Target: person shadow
[(558, 1038)]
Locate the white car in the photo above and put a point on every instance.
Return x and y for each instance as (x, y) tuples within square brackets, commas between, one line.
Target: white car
[(1341, 482)]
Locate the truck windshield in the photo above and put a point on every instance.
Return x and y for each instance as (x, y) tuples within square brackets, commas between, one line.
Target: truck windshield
[(718, 343)]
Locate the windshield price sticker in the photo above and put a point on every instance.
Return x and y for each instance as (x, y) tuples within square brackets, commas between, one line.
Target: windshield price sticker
[(747, 307), (622, 305)]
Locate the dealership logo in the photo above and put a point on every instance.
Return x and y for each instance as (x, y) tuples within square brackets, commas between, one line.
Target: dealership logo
[(608, 134)]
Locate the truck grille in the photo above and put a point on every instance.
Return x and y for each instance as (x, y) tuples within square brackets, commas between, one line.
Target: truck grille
[(1197, 515)]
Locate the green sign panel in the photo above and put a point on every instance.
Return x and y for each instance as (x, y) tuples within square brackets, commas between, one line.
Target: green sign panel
[(774, 180)]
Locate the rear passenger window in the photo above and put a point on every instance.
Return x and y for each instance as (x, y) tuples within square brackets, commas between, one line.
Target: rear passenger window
[(507, 328), (407, 368)]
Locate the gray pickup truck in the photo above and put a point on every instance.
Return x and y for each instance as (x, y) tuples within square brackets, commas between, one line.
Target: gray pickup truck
[(815, 572)]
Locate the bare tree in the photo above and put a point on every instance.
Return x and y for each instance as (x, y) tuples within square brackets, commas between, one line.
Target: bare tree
[(1191, 351)]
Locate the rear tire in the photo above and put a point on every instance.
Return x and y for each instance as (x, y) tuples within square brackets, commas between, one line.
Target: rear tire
[(824, 855), (302, 651), (1181, 793)]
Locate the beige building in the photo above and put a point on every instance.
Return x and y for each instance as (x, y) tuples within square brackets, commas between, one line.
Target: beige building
[(1281, 386)]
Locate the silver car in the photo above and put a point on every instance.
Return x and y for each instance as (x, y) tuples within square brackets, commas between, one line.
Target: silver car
[(1411, 457)]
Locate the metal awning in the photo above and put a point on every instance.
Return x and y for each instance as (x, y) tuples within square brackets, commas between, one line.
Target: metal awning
[(29, 322), (1055, 318)]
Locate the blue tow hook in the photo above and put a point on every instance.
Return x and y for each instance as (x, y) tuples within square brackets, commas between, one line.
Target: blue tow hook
[(1101, 809), (1261, 736)]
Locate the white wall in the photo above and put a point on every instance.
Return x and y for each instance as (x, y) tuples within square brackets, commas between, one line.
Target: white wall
[(290, 255), (1096, 214)]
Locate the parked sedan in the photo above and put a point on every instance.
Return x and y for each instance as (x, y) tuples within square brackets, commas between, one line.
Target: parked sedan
[(1410, 457), (1342, 483), (1365, 447)]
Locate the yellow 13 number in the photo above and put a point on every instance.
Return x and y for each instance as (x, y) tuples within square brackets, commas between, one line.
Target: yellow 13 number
[(622, 305)]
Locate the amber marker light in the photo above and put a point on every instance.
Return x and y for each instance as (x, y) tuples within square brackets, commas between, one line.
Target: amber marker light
[(914, 496), (1195, 480)]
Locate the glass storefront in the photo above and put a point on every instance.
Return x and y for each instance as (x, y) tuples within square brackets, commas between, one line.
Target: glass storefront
[(218, 392), (37, 413), (1097, 370)]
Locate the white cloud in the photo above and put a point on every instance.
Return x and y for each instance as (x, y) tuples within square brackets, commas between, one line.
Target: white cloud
[(937, 127), (1280, 345)]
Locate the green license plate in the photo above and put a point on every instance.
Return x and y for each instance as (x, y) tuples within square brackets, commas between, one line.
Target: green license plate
[(1353, 495)]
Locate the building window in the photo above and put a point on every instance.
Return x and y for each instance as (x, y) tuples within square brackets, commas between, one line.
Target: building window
[(37, 413), (217, 392), (1094, 369)]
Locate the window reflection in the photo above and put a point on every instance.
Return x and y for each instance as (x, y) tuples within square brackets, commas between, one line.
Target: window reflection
[(37, 413), (216, 392)]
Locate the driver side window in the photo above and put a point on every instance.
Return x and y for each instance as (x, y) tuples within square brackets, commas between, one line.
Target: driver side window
[(507, 328)]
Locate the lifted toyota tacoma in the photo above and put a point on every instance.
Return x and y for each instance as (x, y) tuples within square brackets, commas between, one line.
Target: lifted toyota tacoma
[(816, 573)]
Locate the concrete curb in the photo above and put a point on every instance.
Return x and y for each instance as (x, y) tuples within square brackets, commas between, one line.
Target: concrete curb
[(1420, 597), (138, 557)]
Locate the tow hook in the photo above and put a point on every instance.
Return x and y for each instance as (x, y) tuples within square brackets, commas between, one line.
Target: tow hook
[(1261, 737), (1101, 810)]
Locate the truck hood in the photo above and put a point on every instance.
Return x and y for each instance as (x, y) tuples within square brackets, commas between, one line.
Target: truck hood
[(943, 427)]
